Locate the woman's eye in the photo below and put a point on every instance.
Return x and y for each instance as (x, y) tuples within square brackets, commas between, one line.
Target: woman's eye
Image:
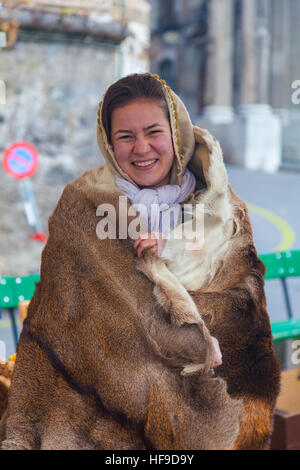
[(154, 132), (125, 137)]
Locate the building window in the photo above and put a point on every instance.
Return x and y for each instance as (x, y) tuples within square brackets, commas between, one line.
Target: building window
[(166, 12), (167, 72)]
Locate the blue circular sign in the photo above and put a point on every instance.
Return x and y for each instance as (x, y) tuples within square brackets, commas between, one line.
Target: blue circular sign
[(21, 160)]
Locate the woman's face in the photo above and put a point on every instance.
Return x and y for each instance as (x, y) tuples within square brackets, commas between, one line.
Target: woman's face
[(142, 142)]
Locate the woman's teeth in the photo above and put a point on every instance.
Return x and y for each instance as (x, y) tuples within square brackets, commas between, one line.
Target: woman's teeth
[(150, 162)]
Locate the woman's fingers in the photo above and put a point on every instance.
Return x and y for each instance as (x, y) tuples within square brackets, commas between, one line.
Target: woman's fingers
[(149, 240), (146, 240), (149, 243), (143, 236)]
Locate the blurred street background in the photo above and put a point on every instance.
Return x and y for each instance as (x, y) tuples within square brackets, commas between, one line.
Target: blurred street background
[(235, 64)]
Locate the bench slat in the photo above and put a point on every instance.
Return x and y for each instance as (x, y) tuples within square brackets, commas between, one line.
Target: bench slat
[(25, 286), (7, 294), (284, 330), (282, 265)]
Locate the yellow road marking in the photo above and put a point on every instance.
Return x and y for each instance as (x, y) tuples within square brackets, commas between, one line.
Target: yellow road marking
[(288, 235)]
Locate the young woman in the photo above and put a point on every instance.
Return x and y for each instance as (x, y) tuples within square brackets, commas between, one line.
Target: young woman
[(100, 363)]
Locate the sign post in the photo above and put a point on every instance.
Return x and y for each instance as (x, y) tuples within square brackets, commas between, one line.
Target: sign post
[(21, 161)]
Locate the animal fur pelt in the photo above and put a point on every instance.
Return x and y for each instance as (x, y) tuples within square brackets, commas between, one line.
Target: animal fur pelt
[(223, 284), (89, 373), (186, 265), (109, 357), (6, 370)]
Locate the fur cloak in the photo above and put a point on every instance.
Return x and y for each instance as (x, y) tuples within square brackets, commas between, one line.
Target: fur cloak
[(89, 372)]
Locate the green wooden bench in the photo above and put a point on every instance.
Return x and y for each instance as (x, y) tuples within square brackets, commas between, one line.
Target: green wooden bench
[(14, 290), (282, 266)]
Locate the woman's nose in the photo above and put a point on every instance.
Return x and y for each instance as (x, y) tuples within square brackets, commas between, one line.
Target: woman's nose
[(141, 145)]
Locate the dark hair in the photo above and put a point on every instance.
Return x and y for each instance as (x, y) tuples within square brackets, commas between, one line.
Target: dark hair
[(130, 88)]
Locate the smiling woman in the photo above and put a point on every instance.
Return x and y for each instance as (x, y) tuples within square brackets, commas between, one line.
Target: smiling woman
[(121, 331)]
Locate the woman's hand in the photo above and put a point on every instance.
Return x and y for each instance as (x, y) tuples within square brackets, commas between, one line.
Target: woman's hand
[(153, 241)]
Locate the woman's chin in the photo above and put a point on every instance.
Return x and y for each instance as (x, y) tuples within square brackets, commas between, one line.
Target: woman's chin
[(150, 180), (149, 183), (146, 180)]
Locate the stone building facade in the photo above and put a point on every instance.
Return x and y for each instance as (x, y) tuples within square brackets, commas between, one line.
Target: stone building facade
[(59, 58), (235, 64)]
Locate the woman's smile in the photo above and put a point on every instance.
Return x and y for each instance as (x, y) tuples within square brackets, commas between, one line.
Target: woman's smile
[(146, 165)]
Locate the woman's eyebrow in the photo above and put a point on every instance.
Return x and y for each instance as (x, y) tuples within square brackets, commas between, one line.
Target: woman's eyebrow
[(126, 131), (123, 131), (151, 126)]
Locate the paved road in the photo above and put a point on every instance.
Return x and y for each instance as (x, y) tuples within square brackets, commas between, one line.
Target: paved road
[(273, 201), (274, 211), (279, 195), (275, 227)]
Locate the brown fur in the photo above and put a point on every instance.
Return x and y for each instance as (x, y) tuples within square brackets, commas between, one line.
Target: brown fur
[(138, 338), (255, 426), (224, 286), (174, 300), (225, 280), (6, 370), (234, 307), (96, 341), (98, 363)]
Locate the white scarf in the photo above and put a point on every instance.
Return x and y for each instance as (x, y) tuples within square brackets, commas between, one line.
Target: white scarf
[(160, 205)]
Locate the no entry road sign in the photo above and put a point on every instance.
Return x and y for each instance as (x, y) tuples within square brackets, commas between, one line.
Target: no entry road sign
[(21, 160)]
